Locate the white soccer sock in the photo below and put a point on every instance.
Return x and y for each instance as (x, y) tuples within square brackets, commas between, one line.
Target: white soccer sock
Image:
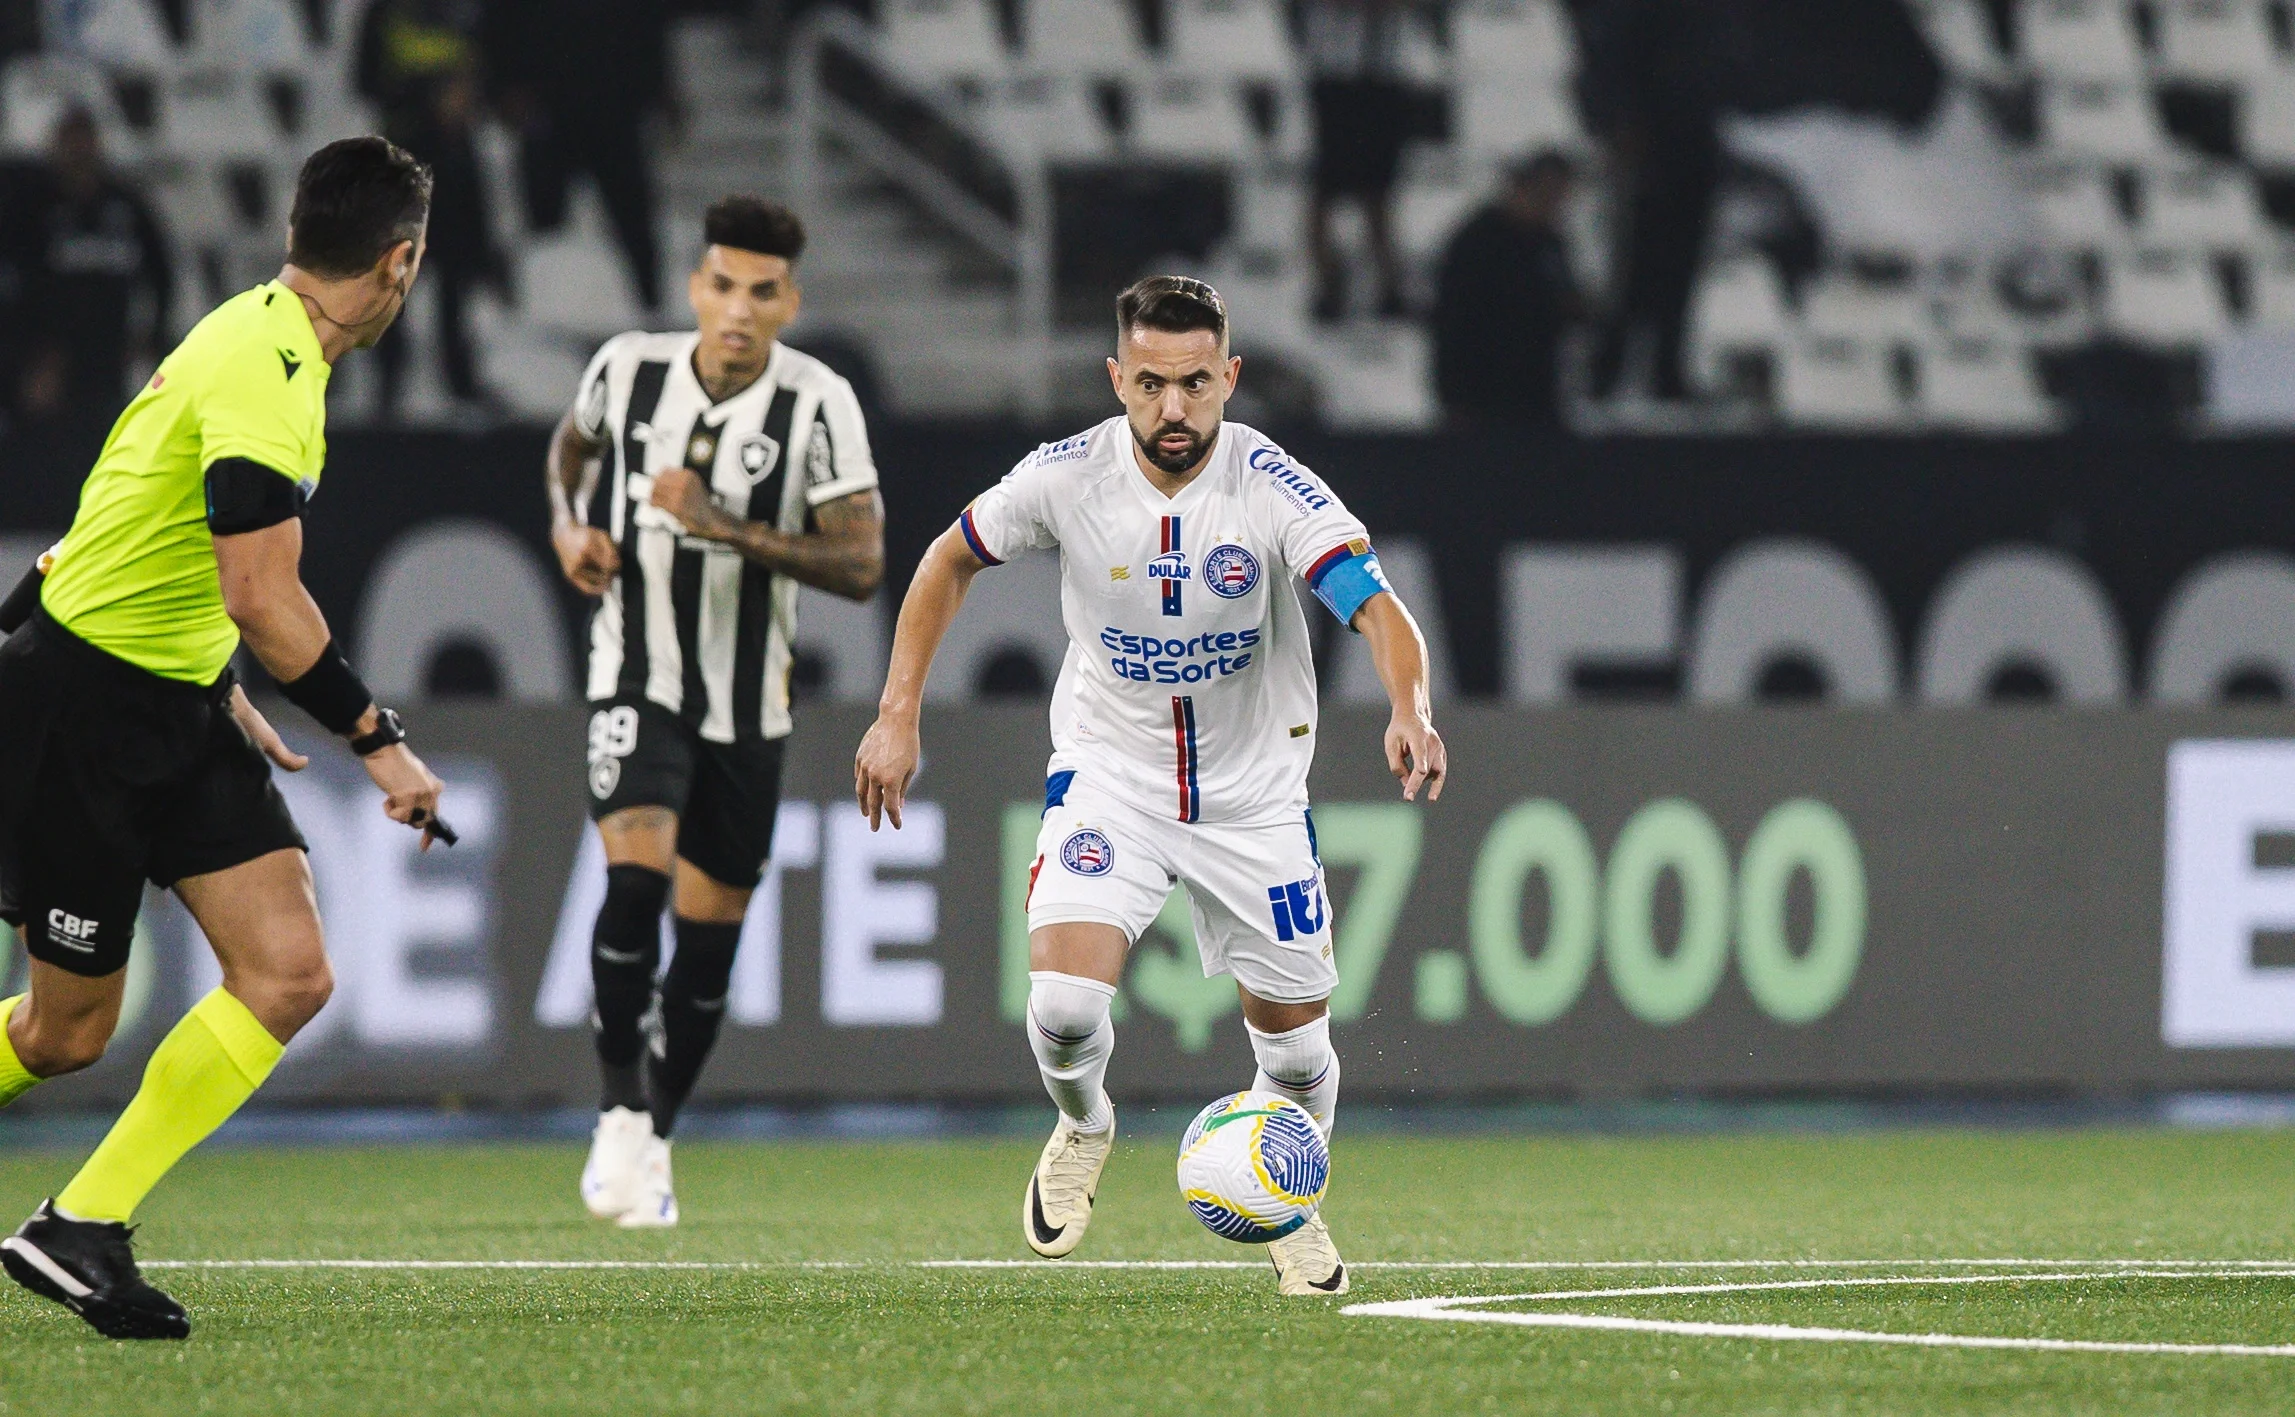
[(1300, 1065), (1069, 1030)]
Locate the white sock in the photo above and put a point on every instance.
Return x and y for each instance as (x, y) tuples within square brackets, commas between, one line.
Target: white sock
[(1069, 1030), (1301, 1066)]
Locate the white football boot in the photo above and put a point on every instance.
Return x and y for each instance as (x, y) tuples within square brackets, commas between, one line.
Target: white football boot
[(656, 1205), (1307, 1263), (617, 1147), (1058, 1204)]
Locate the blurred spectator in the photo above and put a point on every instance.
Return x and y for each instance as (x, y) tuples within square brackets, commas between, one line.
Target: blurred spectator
[(579, 79), (1654, 78), (91, 277), (1648, 90), (418, 64), (1364, 114), (1505, 301)]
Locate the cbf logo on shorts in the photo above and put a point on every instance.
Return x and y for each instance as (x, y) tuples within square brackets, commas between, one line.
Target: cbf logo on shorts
[(1300, 908), (1230, 572), (71, 931), (1088, 853)]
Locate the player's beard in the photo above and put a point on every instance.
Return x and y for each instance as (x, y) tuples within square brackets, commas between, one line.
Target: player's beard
[(1173, 463)]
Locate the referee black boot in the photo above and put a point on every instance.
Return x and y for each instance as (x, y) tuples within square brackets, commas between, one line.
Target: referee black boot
[(88, 1266)]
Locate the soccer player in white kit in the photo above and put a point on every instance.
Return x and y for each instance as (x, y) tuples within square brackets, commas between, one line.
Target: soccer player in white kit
[(1183, 725)]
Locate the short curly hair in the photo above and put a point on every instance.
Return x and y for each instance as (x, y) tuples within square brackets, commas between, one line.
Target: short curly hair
[(754, 224)]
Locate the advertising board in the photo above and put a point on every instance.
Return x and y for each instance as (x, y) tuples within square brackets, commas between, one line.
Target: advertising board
[(1606, 902)]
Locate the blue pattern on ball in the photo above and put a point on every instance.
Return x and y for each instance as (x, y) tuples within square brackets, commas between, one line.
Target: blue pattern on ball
[(1294, 1154), (1227, 1225)]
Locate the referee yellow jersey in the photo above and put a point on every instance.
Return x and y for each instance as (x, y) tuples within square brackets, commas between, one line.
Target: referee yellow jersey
[(136, 575)]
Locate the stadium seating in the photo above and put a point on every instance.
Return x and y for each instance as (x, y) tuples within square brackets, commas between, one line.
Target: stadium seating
[(1839, 382), (1232, 39), (1981, 385), (2200, 207), (1097, 38), (2163, 297), (2079, 39), (1739, 309), (2215, 40), (2103, 164), (2101, 121), (2073, 207), (2272, 292), (1960, 33), (943, 41), (2266, 112)]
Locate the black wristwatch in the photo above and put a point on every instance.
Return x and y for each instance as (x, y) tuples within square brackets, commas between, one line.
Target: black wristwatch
[(388, 730)]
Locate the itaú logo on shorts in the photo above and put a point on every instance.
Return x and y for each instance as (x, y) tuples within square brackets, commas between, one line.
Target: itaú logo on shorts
[(71, 931), (1152, 659), (1300, 908)]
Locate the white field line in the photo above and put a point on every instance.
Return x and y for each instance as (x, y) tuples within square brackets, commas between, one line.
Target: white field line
[(2132, 1266), (1465, 1309), (1593, 1265)]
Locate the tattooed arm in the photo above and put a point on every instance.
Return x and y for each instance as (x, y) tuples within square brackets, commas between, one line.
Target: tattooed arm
[(846, 556), (585, 553)]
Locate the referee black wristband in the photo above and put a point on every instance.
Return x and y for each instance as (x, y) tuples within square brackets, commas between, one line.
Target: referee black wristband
[(330, 692)]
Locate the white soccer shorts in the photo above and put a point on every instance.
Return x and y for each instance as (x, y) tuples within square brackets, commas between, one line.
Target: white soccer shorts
[(1261, 911)]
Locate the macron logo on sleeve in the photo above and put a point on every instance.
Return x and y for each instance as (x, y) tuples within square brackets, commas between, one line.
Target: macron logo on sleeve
[(293, 366)]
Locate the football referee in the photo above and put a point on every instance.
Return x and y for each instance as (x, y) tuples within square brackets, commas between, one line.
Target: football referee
[(129, 753)]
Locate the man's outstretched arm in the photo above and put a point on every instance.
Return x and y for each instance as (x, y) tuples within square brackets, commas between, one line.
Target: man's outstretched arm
[(1415, 754), (888, 754), (846, 556)]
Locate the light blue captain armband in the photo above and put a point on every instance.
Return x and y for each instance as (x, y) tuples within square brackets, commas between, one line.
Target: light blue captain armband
[(1346, 576)]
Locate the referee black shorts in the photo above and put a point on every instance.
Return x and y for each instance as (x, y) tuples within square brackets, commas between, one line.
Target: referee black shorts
[(726, 795), (111, 776)]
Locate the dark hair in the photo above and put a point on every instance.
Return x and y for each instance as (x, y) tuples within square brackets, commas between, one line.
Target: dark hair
[(754, 224), (354, 200), (1174, 304)]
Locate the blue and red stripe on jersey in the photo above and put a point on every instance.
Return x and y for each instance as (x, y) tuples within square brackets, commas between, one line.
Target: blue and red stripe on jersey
[(1171, 547), (972, 539), (1183, 748), (1332, 559)]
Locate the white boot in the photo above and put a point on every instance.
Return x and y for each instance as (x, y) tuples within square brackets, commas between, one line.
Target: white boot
[(1058, 1203), (656, 1205), (1307, 1263), (617, 1148)]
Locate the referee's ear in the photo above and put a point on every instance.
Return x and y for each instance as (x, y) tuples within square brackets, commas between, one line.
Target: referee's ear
[(396, 269)]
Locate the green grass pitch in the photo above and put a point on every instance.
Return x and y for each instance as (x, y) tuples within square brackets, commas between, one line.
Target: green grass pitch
[(770, 1328)]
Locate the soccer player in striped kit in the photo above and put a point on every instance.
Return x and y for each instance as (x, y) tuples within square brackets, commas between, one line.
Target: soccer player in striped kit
[(1183, 726), (732, 469)]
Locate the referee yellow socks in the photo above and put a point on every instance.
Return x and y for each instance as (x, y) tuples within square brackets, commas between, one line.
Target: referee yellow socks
[(14, 1081), (206, 1067)]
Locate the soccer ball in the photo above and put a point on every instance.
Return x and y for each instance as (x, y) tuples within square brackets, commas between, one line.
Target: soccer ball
[(1253, 1167)]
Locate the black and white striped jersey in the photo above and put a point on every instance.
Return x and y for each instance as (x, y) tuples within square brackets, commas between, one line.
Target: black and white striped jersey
[(690, 624)]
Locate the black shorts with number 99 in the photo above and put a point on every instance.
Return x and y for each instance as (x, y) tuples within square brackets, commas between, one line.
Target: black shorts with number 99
[(726, 795)]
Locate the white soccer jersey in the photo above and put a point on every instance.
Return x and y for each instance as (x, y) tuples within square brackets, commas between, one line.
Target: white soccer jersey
[(1189, 680), (691, 624)]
